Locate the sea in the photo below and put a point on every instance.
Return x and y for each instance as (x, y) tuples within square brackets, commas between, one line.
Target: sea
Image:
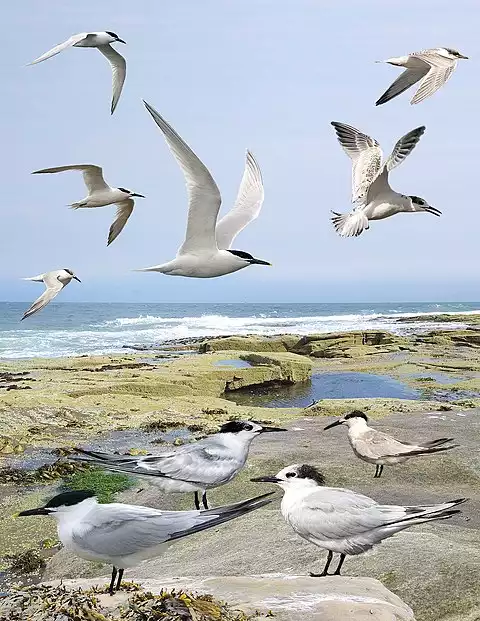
[(67, 329)]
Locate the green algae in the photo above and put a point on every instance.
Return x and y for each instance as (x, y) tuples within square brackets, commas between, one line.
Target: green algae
[(105, 485)]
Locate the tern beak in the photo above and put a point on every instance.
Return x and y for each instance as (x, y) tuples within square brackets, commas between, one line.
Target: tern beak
[(120, 41), (271, 429), (462, 56), (139, 195), (265, 480), (340, 421), (433, 210), (39, 511), (259, 262), (77, 279)]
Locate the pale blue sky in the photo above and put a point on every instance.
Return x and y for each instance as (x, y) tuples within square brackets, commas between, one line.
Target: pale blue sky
[(269, 75)]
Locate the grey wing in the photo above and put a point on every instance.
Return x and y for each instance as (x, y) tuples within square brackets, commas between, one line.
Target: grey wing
[(54, 286), (440, 71), (405, 80), (119, 72), (92, 175), (60, 47), (376, 444), (203, 194), (366, 155), (404, 147), (247, 205), (124, 211)]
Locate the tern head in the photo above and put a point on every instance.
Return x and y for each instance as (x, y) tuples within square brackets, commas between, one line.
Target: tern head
[(420, 204), (296, 476), (247, 428), (448, 52), (130, 193), (115, 37), (69, 275), (246, 259), (350, 419), (62, 503)]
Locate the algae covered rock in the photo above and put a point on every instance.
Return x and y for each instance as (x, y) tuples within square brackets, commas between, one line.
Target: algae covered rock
[(284, 342)]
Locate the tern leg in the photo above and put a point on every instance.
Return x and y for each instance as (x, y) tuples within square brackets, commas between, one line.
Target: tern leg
[(325, 569), (339, 566), (204, 500), (197, 502), (120, 576), (112, 581), (377, 470), (380, 471)]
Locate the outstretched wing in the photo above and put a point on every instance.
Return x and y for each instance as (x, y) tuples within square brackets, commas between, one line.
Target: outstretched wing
[(60, 47), (119, 72), (124, 211), (405, 80), (247, 206), (404, 147), (441, 69), (54, 286), (92, 175)]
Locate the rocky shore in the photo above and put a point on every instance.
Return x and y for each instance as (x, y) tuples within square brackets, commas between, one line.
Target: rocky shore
[(133, 401)]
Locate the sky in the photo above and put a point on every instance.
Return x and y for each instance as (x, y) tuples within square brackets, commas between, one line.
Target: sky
[(268, 75)]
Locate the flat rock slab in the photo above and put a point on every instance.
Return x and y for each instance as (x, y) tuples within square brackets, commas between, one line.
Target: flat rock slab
[(289, 598)]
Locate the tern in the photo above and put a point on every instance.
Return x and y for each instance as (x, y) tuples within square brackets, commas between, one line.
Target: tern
[(54, 281), (206, 252), (340, 520), (100, 40), (432, 68), (101, 194), (195, 467), (371, 191), (124, 535), (376, 447)]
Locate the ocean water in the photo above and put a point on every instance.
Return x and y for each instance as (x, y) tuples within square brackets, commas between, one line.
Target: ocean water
[(75, 329)]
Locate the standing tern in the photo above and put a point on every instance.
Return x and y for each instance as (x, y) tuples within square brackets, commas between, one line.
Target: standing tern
[(54, 281), (195, 467), (340, 520), (433, 67), (205, 253), (101, 194), (100, 40), (125, 535), (376, 447), (371, 191)]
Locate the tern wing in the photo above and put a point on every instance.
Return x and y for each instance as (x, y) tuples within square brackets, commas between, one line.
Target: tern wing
[(54, 286), (118, 530), (405, 80), (119, 72), (124, 211), (404, 147), (366, 155), (247, 206), (203, 194), (376, 444), (440, 71), (61, 46), (92, 175)]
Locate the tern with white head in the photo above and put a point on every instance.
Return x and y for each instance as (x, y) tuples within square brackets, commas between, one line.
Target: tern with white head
[(195, 467), (340, 520), (371, 191), (376, 447), (102, 41), (54, 282), (125, 535), (206, 252), (100, 194)]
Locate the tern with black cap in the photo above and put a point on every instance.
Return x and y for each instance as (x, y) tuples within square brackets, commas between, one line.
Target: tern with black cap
[(376, 447), (125, 535), (340, 520), (196, 467), (54, 282)]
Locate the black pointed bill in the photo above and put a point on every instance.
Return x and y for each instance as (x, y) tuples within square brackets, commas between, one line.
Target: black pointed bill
[(337, 422), (120, 40), (77, 279), (259, 262), (139, 195), (265, 480), (271, 429), (433, 210), (38, 511)]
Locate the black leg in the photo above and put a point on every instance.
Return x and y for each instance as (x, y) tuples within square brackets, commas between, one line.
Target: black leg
[(377, 468), (197, 501), (380, 471), (120, 576), (112, 581), (339, 566), (325, 569), (204, 500)]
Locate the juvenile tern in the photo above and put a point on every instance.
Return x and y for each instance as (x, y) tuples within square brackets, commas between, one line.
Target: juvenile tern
[(195, 467), (202, 254), (376, 447), (125, 535), (101, 194), (100, 40), (371, 191), (433, 67), (340, 520), (54, 281)]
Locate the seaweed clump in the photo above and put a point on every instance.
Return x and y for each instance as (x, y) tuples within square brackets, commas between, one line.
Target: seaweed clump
[(57, 603)]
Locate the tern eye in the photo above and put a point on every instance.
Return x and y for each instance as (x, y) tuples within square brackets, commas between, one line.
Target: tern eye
[(248, 427), (289, 475)]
